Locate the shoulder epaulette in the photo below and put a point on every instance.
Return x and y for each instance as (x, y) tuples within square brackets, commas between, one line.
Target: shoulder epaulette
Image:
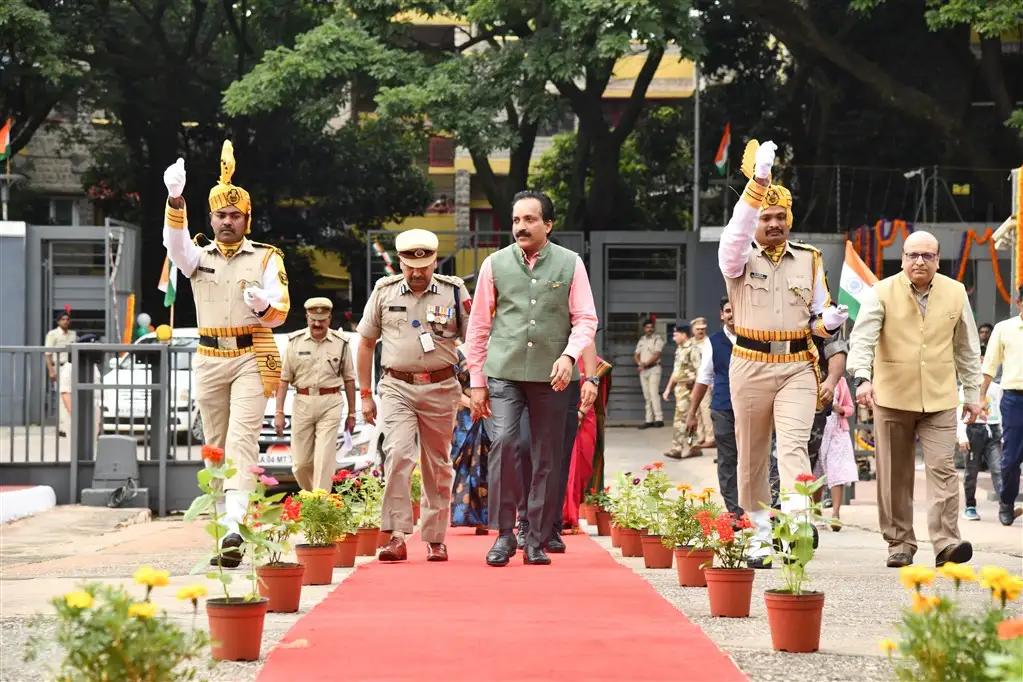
[(388, 281), (338, 334), (294, 335), (201, 240), (262, 245), (804, 246), (456, 282)]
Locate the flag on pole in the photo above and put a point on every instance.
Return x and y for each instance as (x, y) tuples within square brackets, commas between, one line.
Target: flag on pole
[(721, 158), (168, 282), (856, 278), (5, 140)]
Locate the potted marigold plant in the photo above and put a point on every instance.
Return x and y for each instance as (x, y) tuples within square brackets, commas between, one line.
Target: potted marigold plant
[(416, 493), (109, 634), (322, 518), (941, 641), (236, 622), (685, 536), (794, 613), (628, 514), (730, 582), (654, 490), (280, 581)]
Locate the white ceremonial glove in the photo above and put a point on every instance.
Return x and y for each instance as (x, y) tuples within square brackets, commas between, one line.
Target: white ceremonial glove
[(834, 316), (765, 160), (174, 178), (256, 299)]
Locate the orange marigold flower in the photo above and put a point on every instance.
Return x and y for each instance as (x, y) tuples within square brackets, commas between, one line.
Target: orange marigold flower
[(213, 455), (658, 465), (1010, 629), (805, 478)]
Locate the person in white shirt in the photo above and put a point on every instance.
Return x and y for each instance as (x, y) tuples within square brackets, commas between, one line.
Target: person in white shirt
[(981, 441), (58, 364)]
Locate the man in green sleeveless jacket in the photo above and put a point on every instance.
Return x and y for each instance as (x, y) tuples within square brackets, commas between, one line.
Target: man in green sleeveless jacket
[(533, 314)]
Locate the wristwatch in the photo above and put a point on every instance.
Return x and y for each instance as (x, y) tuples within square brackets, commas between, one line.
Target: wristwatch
[(594, 380), (860, 380)]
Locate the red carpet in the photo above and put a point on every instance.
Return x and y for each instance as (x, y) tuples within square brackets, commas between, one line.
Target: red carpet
[(585, 617)]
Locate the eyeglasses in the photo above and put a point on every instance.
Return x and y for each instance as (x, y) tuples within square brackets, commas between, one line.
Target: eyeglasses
[(926, 257)]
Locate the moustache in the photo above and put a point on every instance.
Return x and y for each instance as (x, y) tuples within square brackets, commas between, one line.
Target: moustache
[(521, 233)]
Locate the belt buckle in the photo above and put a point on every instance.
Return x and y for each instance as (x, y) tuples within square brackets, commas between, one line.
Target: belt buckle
[(424, 378), (779, 347), (313, 391)]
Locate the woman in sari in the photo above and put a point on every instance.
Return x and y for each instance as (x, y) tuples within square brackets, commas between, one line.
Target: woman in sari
[(470, 447), (587, 469)]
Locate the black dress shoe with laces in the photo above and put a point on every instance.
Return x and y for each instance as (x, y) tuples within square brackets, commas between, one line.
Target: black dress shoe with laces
[(556, 545), (523, 532), (502, 551), (230, 556), (759, 562), (898, 560), (535, 556)]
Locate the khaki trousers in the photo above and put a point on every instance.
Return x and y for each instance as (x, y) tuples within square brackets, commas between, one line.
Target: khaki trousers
[(764, 394), (229, 392), (426, 411), (704, 426), (895, 433), (314, 428), (650, 380)]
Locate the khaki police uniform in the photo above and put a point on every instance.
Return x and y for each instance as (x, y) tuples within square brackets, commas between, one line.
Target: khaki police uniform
[(687, 362), (319, 371), (418, 389), (58, 338), (650, 378), (777, 297)]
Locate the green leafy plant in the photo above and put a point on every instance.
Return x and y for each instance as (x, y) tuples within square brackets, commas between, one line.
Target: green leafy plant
[(598, 498), (727, 536), (324, 517), (107, 634), (795, 531), (370, 498), (654, 490), (941, 642), (627, 502), (681, 526), (417, 485), (279, 533)]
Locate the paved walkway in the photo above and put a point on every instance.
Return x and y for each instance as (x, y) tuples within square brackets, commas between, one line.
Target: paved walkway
[(48, 555)]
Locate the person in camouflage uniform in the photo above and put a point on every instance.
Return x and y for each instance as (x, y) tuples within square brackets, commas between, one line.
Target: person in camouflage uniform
[(687, 362)]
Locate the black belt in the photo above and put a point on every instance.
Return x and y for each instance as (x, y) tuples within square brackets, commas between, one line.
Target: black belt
[(241, 341), (771, 347), (1013, 391)]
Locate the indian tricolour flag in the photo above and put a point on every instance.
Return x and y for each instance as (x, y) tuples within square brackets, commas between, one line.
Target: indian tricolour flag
[(721, 158), (168, 282), (5, 140), (856, 278)]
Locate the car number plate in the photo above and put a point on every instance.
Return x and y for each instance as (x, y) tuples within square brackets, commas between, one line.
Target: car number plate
[(278, 456)]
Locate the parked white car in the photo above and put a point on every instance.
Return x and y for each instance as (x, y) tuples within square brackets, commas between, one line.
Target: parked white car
[(127, 411)]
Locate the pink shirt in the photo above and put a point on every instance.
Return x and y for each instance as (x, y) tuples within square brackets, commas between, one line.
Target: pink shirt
[(844, 399), (581, 310)]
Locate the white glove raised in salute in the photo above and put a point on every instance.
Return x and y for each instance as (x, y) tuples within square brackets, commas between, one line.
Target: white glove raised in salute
[(174, 178), (834, 316), (765, 160), (256, 299)]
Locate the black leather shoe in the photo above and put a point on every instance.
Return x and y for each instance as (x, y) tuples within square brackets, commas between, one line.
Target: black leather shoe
[(230, 556), (1007, 515), (535, 556), (958, 553), (556, 545), (658, 425), (502, 551), (759, 562), (520, 539), (898, 560)]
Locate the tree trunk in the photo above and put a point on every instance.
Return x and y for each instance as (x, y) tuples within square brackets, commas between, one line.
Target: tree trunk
[(493, 188), (605, 186)]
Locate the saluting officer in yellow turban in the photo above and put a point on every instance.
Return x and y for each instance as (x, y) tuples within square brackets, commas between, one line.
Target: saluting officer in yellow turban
[(780, 300), (241, 294)]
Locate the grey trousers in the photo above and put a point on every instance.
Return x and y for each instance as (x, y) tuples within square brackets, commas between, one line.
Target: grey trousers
[(547, 408), (526, 470), (728, 458)]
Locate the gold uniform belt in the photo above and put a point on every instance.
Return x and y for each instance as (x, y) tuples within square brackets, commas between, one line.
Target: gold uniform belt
[(779, 347), (254, 339)]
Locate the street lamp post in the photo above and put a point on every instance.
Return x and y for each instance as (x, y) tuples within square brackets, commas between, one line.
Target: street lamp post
[(7, 180)]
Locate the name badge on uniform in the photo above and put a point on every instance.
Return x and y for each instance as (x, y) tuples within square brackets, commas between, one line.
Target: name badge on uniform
[(758, 275), (426, 341), (305, 352), (396, 309), (202, 268)]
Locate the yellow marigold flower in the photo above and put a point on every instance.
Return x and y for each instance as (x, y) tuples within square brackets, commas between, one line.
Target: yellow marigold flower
[(150, 577), (990, 575), (708, 491), (913, 577), (692, 496), (78, 600), (888, 646), (683, 487), (923, 604), (192, 592), (957, 572), (1007, 587), (704, 497), (142, 610)]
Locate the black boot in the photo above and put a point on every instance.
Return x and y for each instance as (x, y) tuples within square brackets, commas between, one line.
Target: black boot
[(230, 554)]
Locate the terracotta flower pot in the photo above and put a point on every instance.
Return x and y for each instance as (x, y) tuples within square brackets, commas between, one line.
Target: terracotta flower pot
[(592, 511), (655, 554), (631, 543), (368, 541), (729, 591), (347, 548), (318, 561), (688, 562), (383, 537), (236, 628), (613, 530), (416, 511), (795, 620), (282, 585)]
